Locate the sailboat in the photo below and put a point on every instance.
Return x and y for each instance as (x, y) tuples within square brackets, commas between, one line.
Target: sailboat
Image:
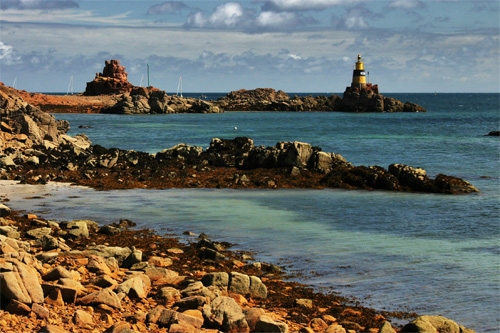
[(14, 85), (179, 86)]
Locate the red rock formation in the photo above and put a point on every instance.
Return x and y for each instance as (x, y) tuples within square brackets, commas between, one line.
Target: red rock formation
[(112, 80)]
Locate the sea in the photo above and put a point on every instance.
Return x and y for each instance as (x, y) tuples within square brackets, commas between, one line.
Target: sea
[(431, 254)]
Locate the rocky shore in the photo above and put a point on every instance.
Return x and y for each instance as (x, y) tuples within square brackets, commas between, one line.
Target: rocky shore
[(83, 276)]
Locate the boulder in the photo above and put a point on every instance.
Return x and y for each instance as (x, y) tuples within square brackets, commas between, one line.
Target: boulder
[(197, 289), (40, 311), (257, 288), (82, 318), (239, 283), (386, 328), (191, 302), (219, 280), (39, 232), (58, 272), (9, 231), (64, 293), (20, 282), (105, 296), (170, 294), (4, 210), (434, 324), (167, 317), (267, 324), (294, 154), (225, 314), (136, 287), (134, 258), (78, 229), (18, 308), (119, 253), (161, 274), (97, 264)]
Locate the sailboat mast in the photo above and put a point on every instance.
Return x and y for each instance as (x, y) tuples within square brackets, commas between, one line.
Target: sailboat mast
[(148, 75), (179, 86), (70, 86)]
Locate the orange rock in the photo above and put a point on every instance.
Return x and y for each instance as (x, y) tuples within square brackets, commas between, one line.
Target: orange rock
[(351, 312), (54, 298), (239, 299), (329, 319), (194, 313)]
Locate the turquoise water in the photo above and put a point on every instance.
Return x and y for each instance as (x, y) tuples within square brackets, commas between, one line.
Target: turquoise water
[(433, 254)]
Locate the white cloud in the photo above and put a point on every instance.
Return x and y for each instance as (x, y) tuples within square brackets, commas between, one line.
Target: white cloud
[(273, 19), (227, 15), (8, 55)]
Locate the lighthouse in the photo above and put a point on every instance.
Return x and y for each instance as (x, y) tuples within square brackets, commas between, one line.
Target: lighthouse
[(359, 75)]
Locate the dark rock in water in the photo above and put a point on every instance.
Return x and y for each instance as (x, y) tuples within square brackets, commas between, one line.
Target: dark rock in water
[(493, 133), (266, 99), (112, 80), (151, 100), (368, 99)]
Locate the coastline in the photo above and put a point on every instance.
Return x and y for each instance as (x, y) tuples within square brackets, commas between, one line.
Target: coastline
[(48, 173)]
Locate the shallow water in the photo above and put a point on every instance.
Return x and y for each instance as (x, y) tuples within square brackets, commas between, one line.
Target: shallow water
[(434, 254)]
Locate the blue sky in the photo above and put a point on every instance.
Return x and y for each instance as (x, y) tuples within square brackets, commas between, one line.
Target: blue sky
[(219, 46)]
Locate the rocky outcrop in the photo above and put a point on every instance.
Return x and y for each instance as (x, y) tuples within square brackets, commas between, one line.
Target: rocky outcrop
[(153, 101), (493, 133), (298, 164), (369, 100), (354, 100), (23, 126), (112, 80), (266, 99)]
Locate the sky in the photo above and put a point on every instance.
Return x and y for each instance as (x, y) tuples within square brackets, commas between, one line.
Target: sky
[(221, 46)]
